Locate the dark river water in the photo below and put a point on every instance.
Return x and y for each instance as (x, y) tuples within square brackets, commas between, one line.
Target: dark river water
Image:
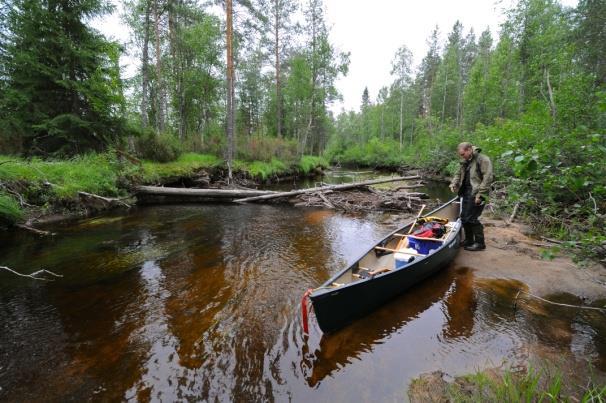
[(202, 302)]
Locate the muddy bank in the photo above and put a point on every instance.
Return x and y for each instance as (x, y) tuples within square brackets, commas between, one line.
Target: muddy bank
[(512, 254)]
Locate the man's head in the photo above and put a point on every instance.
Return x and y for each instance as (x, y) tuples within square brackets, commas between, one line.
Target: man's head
[(465, 150)]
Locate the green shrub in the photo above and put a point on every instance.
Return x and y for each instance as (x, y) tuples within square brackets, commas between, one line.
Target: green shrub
[(266, 148), (158, 147)]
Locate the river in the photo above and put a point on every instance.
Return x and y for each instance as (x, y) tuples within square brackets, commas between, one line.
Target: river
[(192, 302)]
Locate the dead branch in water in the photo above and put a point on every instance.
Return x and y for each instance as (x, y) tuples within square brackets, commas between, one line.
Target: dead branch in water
[(109, 201), (360, 200), (33, 275), (34, 230)]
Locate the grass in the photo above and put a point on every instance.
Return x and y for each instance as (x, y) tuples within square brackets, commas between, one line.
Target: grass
[(261, 169), (10, 210), (533, 385), (309, 162), (93, 173), (56, 183), (186, 164)]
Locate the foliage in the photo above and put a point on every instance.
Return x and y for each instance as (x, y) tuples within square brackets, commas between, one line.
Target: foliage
[(61, 88), (534, 102), (374, 153), (265, 148), (163, 147), (10, 211)]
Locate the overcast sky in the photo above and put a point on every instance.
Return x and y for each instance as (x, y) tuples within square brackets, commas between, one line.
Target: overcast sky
[(372, 31)]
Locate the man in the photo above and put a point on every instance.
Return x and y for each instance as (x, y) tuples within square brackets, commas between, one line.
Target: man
[(472, 182)]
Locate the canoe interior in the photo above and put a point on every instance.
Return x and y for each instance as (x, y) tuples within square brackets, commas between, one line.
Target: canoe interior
[(374, 260), (352, 293)]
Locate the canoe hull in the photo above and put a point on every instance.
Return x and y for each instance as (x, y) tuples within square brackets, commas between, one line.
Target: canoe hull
[(335, 308)]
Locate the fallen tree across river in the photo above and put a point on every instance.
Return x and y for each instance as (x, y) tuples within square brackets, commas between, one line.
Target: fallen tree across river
[(321, 189), (210, 193)]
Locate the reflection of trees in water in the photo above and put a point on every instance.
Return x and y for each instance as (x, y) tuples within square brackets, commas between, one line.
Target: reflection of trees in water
[(460, 306)]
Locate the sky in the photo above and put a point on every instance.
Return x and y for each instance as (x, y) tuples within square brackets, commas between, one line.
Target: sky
[(373, 30)]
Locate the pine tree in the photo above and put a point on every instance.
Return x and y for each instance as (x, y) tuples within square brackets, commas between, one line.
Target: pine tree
[(62, 89)]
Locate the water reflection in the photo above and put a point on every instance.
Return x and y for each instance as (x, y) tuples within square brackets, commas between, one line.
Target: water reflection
[(202, 303)]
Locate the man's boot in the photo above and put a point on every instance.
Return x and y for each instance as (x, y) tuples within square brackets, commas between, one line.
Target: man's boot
[(478, 237), (468, 237)]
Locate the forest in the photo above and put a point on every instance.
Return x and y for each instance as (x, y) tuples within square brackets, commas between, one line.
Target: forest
[(252, 81)]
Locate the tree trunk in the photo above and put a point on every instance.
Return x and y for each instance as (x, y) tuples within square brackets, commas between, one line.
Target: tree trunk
[(401, 115), (210, 193), (160, 85), (145, 67), (383, 121), (444, 97), (230, 90), (278, 83), (552, 105)]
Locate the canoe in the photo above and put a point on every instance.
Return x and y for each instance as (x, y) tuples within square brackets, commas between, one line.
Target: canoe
[(353, 293)]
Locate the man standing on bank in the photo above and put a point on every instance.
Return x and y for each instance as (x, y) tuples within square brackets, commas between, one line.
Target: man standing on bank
[(472, 183)]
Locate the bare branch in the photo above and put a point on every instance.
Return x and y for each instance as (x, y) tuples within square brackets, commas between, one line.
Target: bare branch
[(34, 274)]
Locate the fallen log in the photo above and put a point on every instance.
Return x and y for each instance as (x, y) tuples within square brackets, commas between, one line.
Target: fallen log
[(325, 188), (210, 193)]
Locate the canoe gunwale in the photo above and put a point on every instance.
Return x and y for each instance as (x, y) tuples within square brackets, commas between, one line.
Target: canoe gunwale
[(325, 288)]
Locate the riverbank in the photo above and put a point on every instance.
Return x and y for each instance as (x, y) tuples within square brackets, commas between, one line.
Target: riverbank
[(38, 190), (520, 270)]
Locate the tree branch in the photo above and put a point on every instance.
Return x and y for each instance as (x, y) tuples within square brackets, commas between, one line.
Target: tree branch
[(33, 275)]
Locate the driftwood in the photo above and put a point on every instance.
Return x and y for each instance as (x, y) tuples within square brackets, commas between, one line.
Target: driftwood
[(210, 193), (513, 214), (359, 201), (106, 201), (324, 188), (34, 275), (34, 230)]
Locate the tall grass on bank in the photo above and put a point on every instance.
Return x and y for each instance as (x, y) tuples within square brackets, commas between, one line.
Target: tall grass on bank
[(533, 386), (10, 210), (94, 173), (261, 169), (309, 162), (185, 165)]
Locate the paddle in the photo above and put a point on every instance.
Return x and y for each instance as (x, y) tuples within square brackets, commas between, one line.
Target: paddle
[(412, 226)]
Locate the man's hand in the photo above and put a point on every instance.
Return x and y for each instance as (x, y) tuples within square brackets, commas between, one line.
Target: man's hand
[(478, 200), (453, 188)]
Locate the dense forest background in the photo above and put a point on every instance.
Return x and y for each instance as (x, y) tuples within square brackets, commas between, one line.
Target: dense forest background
[(255, 81)]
